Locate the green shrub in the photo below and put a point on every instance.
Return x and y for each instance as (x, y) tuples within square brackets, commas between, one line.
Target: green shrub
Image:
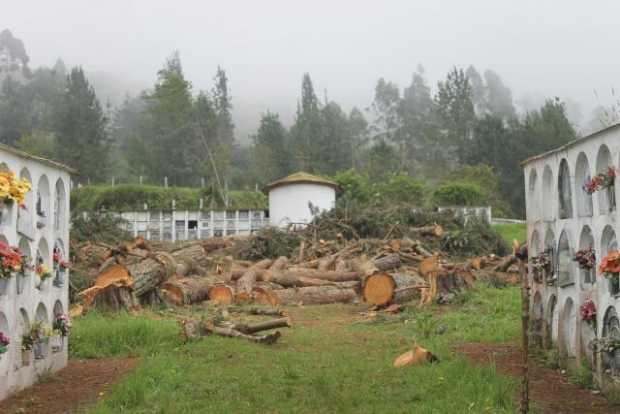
[(355, 186), (132, 197), (459, 194), (402, 188)]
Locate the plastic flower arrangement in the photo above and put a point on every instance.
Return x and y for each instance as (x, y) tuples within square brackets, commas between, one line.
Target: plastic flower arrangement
[(600, 181), (13, 189), (585, 258), (43, 272), (588, 311), (58, 262), (61, 324), (4, 343), (610, 265), (10, 260)]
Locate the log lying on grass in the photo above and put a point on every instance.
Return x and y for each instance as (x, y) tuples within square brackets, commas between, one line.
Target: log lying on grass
[(316, 295), (381, 289), (193, 329), (185, 291)]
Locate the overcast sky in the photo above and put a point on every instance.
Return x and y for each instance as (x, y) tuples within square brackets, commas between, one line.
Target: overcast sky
[(565, 48)]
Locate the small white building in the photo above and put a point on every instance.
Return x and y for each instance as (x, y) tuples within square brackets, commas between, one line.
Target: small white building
[(41, 232), (562, 218), (291, 198)]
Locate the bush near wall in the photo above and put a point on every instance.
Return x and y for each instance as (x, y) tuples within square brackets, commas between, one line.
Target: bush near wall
[(460, 194), (132, 197), (397, 188)]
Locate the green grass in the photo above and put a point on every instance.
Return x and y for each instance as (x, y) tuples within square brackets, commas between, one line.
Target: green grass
[(510, 232), (324, 364), (98, 336)]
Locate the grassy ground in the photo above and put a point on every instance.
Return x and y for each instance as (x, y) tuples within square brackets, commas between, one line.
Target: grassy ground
[(330, 361), (511, 232)]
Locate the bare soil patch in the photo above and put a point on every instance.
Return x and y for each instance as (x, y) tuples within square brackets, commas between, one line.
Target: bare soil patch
[(550, 391), (81, 383)]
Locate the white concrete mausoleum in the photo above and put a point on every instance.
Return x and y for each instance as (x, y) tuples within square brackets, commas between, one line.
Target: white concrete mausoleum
[(290, 199), (39, 230)]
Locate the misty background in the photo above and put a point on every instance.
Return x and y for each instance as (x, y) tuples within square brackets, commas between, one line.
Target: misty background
[(540, 48), (433, 101)]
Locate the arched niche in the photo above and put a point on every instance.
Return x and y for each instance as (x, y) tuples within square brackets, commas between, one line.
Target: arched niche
[(41, 314), (6, 216), (550, 249), (58, 257), (43, 259), (43, 252), (565, 260), (43, 201), (533, 195), (587, 277), (25, 214), (4, 282), (538, 318), (24, 321), (606, 197), (534, 250), (58, 309), (552, 320), (569, 322), (60, 205), (611, 330), (609, 243), (5, 328), (548, 208), (565, 196), (583, 175), (534, 246), (587, 336), (27, 262)]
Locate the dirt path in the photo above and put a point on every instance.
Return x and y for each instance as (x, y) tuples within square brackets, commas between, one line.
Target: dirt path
[(75, 386), (550, 390)]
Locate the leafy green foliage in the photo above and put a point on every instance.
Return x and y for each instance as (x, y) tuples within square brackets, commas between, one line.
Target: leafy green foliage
[(475, 238), (459, 194), (401, 188), (97, 227), (269, 243), (132, 197)]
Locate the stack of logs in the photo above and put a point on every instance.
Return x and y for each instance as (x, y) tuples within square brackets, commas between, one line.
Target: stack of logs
[(134, 273)]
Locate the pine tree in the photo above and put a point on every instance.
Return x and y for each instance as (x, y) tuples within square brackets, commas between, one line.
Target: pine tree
[(306, 131), (271, 155), (81, 137), (456, 112)]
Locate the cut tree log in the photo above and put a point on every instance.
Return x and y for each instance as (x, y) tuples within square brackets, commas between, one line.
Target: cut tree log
[(388, 262), (263, 326), (212, 245), (232, 333), (435, 230), (149, 273), (245, 284), (221, 294), (416, 356), (280, 263), (258, 311), (505, 264), (293, 279), (316, 295), (381, 289), (185, 291)]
